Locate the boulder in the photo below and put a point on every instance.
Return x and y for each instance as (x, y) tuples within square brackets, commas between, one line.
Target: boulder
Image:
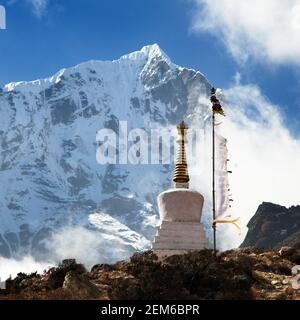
[(54, 277), (75, 282)]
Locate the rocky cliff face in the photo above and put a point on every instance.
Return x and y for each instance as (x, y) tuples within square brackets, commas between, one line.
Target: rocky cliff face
[(274, 226), (50, 178)]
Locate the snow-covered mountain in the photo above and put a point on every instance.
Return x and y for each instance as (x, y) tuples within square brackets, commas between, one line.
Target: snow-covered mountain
[(50, 179)]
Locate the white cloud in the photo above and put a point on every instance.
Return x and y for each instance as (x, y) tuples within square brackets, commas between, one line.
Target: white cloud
[(107, 241), (237, 78), (84, 245), (264, 158), (39, 7), (267, 30), (11, 267)]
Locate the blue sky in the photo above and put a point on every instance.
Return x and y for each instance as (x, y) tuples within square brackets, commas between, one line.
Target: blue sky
[(43, 36)]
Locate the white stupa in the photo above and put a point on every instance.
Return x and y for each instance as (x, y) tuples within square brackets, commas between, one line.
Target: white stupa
[(180, 211)]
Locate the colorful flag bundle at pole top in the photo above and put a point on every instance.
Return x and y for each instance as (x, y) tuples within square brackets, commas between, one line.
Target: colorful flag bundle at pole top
[(221, 196)]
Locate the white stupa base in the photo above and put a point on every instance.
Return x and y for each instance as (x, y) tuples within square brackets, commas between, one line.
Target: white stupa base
[(178, 237), (180, 230)]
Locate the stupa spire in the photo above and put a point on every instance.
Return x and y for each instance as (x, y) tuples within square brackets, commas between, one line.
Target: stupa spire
[(181, 176)]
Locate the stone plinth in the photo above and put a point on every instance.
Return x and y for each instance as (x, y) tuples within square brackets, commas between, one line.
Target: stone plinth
[(180, 230)]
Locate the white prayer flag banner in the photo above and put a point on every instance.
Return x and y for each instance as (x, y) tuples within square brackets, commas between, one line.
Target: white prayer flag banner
[(221, 176)]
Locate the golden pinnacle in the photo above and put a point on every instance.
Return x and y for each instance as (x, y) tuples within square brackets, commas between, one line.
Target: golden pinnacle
[(181, 176)]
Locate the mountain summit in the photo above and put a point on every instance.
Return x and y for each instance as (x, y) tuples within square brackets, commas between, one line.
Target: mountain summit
[(55, 198), (148, 53)]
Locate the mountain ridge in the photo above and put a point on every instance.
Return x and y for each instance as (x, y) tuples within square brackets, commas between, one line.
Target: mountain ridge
[(273, 226), (51, 179), (146, 53)]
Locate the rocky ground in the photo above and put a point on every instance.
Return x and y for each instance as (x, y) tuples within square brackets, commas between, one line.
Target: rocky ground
[(245, 273)]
